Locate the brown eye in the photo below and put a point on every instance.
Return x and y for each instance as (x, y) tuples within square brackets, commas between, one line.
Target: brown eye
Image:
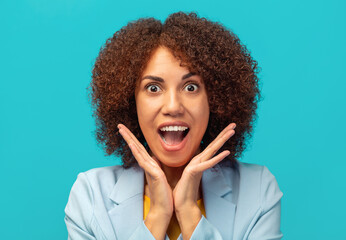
[(191, 87), (153, 88)]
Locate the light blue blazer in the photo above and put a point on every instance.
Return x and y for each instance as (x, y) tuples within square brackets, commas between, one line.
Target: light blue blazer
[(241, 203)]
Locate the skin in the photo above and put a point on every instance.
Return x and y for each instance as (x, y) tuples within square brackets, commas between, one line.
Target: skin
[(169, 94)]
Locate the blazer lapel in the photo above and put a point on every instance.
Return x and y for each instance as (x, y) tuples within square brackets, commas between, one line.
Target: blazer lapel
[(127, 196), (220, 211)]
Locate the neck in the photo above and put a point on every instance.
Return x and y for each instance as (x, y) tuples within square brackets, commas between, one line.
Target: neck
[(173, 174)]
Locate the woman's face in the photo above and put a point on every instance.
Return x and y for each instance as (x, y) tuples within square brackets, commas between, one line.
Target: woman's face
[(172, 108)]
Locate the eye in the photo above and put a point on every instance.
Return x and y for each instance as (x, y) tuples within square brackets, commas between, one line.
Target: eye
[(191, 87), (153, 88)]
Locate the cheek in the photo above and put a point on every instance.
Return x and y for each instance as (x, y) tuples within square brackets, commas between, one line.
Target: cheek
[(204, 118), (143, 109), (146, 114), (204, 110), (201, 114), (142, 114)]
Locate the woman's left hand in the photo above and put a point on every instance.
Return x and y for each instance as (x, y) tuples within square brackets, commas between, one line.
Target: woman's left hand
[(185, 193)]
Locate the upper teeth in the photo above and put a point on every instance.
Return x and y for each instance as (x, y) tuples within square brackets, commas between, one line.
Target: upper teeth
[(173, 128)]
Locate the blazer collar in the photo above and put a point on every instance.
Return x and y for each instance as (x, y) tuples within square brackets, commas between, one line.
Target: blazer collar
[(127, 195), (129, 184), (213, 180), (217, 197)]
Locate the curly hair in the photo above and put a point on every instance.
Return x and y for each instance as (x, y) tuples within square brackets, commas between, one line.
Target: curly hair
[(204, 47)]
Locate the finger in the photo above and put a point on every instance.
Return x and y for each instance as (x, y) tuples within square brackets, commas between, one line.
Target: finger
[(138, 156), (212, 162), (130, 135), (212, 148), (136, 146), (125, 133), (230, 127), (132, 138), (221, 135), (126, 136), (147, 165)]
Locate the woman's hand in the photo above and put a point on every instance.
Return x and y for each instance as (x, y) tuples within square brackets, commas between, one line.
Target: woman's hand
[(160, 193), (185, 193)]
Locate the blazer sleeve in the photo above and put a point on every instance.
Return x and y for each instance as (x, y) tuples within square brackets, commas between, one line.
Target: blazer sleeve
[(267, 225), (79, 210), (204, 231), (142, 232)]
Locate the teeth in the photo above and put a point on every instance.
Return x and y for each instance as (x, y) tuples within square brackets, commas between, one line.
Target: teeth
[(173, 128)]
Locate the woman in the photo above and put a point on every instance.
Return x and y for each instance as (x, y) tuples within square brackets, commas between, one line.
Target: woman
[(181, 88)]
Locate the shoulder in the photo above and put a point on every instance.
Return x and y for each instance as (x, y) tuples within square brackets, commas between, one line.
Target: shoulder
[(245, 172), (90, 190), (257, 196), (97, 179), (98, 182), (254, 174), (260, 176), (257, 183), (103, 174), (94, 183), (86, 212)]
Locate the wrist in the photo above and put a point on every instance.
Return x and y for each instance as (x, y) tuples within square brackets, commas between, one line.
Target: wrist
[(187, 206), (188, 211), (188, 218), (158, 215), (157, 223)]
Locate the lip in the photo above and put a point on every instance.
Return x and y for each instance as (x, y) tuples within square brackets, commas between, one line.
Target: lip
[(181, 145)]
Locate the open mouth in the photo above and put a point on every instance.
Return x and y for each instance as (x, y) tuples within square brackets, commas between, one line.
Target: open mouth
[(173, 135)]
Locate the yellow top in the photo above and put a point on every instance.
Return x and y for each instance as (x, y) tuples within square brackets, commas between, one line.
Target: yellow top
[(173, 230)]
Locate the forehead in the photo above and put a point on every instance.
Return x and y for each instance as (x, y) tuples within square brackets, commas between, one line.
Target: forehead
[(162, 61)]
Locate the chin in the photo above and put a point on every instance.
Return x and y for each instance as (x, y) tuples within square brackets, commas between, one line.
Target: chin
[(174, 162)]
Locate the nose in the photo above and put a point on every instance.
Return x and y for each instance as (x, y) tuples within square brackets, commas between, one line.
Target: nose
[(173, 104)]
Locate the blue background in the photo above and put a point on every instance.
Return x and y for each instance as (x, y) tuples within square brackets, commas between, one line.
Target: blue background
[(47, 52)]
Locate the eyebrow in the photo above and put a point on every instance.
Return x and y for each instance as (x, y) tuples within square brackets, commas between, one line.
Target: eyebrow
[(158, 79)]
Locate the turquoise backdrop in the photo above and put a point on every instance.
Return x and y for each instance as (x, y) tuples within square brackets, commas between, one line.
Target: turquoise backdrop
[(48, 48)]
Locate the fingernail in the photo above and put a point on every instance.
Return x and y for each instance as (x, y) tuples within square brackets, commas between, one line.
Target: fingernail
[(234, 126)]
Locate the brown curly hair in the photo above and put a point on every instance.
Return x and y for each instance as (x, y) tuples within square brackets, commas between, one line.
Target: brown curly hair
[(206, 48)]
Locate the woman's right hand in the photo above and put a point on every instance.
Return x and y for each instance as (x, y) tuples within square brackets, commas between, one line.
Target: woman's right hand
[(160, 193)]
